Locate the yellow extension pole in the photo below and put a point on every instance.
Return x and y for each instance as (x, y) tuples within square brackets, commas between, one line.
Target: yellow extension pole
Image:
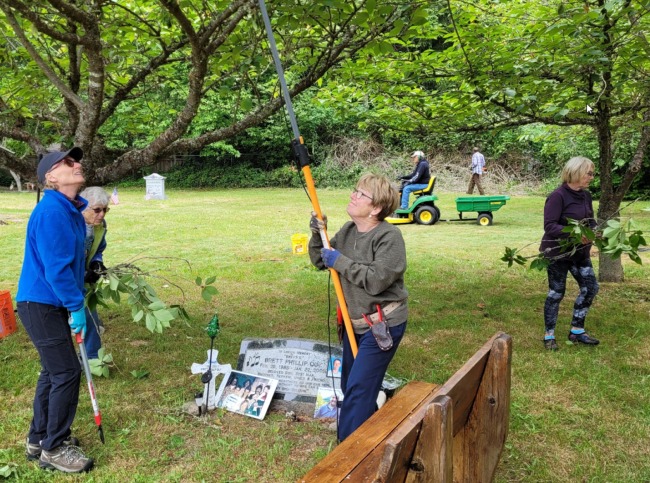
[(347, 322), (303, 157)]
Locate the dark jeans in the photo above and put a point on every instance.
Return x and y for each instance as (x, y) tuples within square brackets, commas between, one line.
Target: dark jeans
[(361, 378), (57, 389), (92, 340), (584, 274)]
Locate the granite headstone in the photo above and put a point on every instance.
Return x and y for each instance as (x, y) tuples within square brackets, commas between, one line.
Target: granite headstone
[(300, 365)]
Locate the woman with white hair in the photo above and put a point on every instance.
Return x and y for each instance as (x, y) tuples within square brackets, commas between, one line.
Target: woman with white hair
[(571, 200), (94, 248)]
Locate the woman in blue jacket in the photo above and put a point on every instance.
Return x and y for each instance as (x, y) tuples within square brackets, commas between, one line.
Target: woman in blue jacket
[(50, 303)]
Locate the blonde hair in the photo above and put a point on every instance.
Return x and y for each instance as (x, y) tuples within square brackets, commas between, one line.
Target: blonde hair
[(50, 185), (384, 196), (575, 168)]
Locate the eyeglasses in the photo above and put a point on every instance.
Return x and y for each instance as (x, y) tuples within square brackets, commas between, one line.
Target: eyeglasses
[(99, 210), (358, 194)]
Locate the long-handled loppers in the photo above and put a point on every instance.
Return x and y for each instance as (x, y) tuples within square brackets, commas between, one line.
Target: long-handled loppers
[(91, 386)]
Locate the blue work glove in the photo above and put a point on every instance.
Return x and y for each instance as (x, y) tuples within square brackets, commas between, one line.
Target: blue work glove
[(329, 256), (77, 321)]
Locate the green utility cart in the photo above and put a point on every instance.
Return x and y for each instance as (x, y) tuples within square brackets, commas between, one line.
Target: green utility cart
[(483, 205)]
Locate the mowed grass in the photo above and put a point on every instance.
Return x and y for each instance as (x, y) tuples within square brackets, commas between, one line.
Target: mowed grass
[(581, 414)]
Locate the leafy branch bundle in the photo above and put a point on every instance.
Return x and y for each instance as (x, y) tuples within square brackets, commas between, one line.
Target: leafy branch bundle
[(127, 279), (130, 281), (615, 240)]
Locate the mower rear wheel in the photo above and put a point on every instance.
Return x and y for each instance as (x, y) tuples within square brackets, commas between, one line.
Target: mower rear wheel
[(427, 215), (484, 219)]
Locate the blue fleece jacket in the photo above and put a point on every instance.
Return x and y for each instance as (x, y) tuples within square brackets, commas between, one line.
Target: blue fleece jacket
[(53, 267)]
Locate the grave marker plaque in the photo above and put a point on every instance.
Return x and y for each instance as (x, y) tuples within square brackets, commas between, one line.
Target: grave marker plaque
[(299, 365)]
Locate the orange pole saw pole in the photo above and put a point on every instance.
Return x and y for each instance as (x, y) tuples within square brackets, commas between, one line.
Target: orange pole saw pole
[(302, 156)]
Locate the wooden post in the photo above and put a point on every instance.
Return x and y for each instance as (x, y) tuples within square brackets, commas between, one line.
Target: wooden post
[(478, 446), (433, 458)]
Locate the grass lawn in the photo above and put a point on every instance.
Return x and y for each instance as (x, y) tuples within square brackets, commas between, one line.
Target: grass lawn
[(581, 414)]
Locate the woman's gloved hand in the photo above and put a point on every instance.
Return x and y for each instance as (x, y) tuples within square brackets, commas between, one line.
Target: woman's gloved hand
[(329, 256), (77, 321), (316, 224)]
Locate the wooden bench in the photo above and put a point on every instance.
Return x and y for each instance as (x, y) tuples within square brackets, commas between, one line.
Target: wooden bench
[(429, 433)]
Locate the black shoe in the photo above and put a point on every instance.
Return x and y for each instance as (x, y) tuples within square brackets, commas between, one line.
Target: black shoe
[(550, 344), (583, 338), (33, 451)]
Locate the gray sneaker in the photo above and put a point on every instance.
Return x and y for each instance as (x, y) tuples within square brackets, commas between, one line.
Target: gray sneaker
[(33, 450), (68, 459)]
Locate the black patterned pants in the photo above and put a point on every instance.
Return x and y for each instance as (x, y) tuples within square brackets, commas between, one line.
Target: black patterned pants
[(583, 272)]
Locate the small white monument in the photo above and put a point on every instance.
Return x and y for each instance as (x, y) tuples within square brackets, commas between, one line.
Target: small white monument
[(155, 185)]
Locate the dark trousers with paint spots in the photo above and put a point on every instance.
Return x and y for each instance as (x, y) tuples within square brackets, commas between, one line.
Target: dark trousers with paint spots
[(583, 272)]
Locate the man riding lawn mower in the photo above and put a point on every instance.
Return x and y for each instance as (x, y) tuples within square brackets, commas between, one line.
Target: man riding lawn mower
[(419, 183)]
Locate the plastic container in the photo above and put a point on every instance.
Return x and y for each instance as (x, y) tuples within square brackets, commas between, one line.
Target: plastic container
[(299, 244), (7, 317)]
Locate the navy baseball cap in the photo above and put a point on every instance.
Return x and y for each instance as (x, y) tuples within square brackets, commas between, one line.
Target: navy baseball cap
[(50, 159)]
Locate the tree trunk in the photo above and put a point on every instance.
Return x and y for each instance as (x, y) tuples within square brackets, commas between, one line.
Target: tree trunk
[(610, 270), (16, 177)]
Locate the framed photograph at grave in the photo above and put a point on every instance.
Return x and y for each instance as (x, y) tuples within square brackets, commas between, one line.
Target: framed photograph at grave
[(248, 394), (327, 403), (334, 366)]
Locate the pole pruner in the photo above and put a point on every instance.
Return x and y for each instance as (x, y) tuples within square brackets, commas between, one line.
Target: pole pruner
[(302, 157)]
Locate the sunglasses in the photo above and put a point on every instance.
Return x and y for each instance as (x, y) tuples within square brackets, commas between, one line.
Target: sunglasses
[(67, 161), (99, 210)]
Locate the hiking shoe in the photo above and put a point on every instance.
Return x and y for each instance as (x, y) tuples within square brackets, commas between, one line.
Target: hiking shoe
[(550, 344), (68, 459), (33, 450), (583, 338)]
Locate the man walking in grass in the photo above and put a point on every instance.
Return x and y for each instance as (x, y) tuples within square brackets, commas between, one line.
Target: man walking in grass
[(477, 167)]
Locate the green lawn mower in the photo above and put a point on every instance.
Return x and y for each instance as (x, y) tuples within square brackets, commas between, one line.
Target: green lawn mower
[(423, 210)]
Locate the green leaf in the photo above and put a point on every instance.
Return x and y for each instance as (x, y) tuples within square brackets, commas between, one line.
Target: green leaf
[(163, 315), (138, 316), (540, 263), (113, 281), (157, 305), (140, 374), (150, 322), (210, 280), (208, 292), (198, 281)]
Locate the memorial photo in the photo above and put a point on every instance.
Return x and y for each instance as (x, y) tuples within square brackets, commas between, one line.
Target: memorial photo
[(248, 394), (334, 367), (327, 403)]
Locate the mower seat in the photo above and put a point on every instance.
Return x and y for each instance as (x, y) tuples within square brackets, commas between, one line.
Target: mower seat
[(428, 190)]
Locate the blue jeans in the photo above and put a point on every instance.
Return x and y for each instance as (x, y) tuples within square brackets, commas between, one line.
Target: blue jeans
[(92, 341), (406, 192), (57, 389), (361, 378)]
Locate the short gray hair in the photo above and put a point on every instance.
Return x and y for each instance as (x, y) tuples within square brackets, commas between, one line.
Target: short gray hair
[(95, 196)]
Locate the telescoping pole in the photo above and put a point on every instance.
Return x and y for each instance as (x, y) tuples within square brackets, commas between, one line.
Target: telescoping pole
[(300, 151)]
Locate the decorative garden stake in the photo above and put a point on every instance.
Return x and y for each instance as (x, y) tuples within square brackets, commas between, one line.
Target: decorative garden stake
[(209, 370)]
